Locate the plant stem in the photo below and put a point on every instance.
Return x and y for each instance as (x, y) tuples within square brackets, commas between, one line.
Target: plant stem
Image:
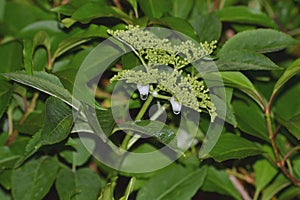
[(139, 116), (279, 162)]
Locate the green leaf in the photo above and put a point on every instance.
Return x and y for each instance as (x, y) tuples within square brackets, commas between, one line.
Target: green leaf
[(291, 193), (247, 114), (34, 179), (11, 57), (83, 184), (154, 8), (181, 10), (93, 10), (177, 24), (3, 194), (108, 192), (244, 15), (277, 185), (44, 82), (244, 60), (178, 183), (218, 181), (79, 38), (208, 27), (264, 173), (7, 158), (292, 70), (293, 125), (239, 148), (241, 82), (259, 40), (5, 179), (134, 5), (58, 121), (5, 95), (155, 129), (286, 106), (79, 155)]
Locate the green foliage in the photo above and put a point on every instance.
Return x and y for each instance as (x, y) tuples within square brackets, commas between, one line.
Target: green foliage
[(47, 103)]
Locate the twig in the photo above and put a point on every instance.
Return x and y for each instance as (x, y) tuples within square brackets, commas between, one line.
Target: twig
[(240, 188)]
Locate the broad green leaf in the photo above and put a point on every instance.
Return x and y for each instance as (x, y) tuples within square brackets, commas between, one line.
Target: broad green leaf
[(293, 125), (7, 158), (218, 181), (154, 129), (5, 95), (177, 24), (178, 183), (93, 10), (33, 180), (82, 184), (132, 163), (244, 15), (58, 121), (290, 193), (77, 156), (33, 123), (276, 186), (79, 38), (44, 82), (259, 40), (244, 60), (106, 120), (292, 70), (11, 57), (264, 173), (241, 82), (154, 8), (208, 27), (247, 114), (5, 179), (286, 105), (3, 194), (32, 146), (230, 146), (181, 10)]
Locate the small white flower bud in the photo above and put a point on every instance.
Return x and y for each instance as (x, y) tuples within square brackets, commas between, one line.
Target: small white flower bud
[(175, 106), (143, 90)]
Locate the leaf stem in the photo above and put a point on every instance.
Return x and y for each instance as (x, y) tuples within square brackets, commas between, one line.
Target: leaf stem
[(126, 140)]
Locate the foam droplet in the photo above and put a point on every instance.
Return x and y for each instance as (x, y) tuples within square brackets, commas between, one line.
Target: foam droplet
[(143, 90), (175, 106)]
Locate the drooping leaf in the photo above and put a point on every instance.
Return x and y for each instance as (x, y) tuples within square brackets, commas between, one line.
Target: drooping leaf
[(155, 129), (178, 183), (83, 184), (79, 38), (276, 186), (11, 57), (248, 113), (181, 10), (5, 95), (93, 10), (259, 40), (154, 8), (244, 15), (208, 27), (230, 146), (244, 60), (44, 82), (33, 180), (292, 70), (58, 121), (293, 125), (264, 173), (218, 181), (177, 24), (77, 156)]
